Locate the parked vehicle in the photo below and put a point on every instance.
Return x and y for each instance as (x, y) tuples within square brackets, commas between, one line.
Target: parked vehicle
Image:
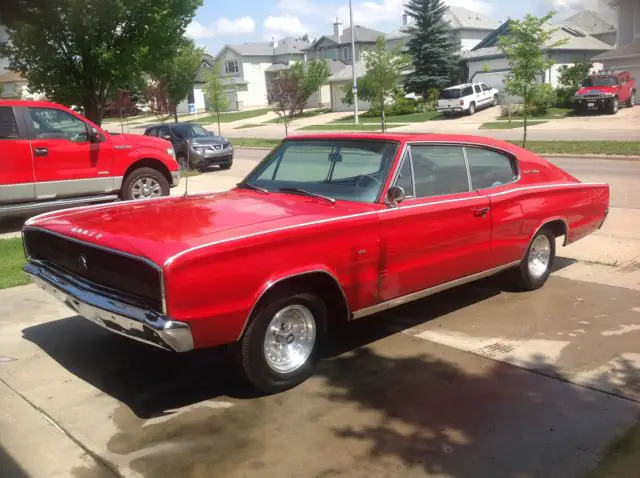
[(605, 91), (196, 147), (467, 98), (325, 230), (52, 158)]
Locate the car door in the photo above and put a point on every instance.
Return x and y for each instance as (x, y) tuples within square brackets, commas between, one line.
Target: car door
[(16, 167), (441, 232), (479, 95), (486, 93), (168, 134), (65, 161)]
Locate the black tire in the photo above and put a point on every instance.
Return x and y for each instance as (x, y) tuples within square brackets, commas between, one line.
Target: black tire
[(127, 193), (472, 108), (632, 100), (613, 106), (495, 101), (250, 350), (525, 279), (226, 165)]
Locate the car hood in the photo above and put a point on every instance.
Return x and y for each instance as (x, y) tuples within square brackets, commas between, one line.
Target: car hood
[(158, 229), (139, 140), (585, 90), (208, 140)]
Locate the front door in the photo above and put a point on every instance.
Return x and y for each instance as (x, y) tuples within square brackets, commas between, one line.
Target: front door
[(65, 161), (441, 232)]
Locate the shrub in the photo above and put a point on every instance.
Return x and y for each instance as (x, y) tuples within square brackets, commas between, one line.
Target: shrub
[(564, 97), (403, 106), (510, 109), (543, 97)]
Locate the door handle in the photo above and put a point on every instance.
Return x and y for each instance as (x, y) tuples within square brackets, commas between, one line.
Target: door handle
[(481, 212), (41, 151)]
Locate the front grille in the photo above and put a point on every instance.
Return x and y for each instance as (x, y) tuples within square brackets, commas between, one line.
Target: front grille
[(134, 279), (593, 96)]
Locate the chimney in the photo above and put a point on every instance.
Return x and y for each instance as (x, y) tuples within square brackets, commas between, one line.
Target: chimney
[(338, 29), (405, 19)]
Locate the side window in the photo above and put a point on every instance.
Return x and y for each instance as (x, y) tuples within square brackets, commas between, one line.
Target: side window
[(489, 168), (404, 178), (439, 170), (164, 130), (153, 132), (50, 123), (468, 91), (478, 89), (484, 87), (8, 124)]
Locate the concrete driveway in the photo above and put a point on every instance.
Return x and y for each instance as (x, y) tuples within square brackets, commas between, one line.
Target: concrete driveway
[(476, 382)]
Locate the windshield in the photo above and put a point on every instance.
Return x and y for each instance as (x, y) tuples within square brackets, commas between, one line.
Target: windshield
[(351, 170), (450, 94), (190, 131), (601, 81)]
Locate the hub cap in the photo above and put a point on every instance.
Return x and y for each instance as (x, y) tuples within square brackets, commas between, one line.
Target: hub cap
[(539, 256), (289, 339), (145, 188)]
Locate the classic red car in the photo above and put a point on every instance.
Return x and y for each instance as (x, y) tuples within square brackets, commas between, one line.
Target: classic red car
[(326, 229)]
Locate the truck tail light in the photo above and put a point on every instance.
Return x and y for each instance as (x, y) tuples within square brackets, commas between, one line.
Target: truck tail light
[(461, 102)]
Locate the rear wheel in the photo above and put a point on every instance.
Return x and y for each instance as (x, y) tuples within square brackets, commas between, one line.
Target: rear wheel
[(144, 183), (632, 100), (279, 348), (472, 108), (536, 266)]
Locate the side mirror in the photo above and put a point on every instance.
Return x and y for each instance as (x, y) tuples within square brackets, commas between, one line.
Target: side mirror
[(395, 195), (167, 137), (96, 136)]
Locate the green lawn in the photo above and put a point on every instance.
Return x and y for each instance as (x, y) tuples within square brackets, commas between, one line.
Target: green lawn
[(306, 114), (509, 124), (255, 143), (622, 458), (234, 116), (554, 113), (349, 127), (622, 148), (412, 118), (11, 262)]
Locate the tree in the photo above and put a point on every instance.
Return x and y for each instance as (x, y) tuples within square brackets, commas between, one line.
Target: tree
[(570, 80), (304, 37), (284, 94), (380, 82), (80, 52), (157, 94), (215, 92), (525, 47), (436, 62), (309, 77), (178, 73)]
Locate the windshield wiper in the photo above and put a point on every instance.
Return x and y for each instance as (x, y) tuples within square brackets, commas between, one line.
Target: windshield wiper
[(307, 193), (252, 186)]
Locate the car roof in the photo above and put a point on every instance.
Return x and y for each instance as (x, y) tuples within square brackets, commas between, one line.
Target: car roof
[(27, 103)]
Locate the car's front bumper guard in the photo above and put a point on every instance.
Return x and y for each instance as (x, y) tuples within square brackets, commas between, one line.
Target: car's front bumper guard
[(118, 317)]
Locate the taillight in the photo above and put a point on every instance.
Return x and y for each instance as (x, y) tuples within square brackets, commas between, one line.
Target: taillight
[(461, 102)]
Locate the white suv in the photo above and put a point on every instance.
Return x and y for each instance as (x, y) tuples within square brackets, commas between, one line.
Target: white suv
[(467, 97)]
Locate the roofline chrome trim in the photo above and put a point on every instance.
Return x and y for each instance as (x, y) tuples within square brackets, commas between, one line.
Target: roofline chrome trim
[(149, 262), (273, 284), (392, 303), (173, 258)]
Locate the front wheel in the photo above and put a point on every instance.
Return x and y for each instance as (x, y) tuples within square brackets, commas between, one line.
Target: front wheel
[(536, 266), (614, 106), (144, 183), (226, 165), (495, 101), (279, 348)]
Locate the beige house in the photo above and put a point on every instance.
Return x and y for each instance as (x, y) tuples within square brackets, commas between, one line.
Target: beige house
[(626, 55)]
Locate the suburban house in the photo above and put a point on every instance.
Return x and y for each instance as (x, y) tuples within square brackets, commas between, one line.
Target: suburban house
[(248, 68), (12, 84), (196, 94), (626, 55), (600, 25), (486, 63)]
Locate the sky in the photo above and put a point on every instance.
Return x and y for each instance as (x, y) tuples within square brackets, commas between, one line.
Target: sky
[(219, 22)]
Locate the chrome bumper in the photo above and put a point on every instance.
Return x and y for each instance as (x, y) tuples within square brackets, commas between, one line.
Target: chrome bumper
[(118, 317)]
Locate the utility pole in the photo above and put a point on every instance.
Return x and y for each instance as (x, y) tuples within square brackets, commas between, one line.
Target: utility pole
[(353, 65)]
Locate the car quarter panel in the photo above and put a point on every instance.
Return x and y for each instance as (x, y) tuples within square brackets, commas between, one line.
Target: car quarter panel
[(215, 288)]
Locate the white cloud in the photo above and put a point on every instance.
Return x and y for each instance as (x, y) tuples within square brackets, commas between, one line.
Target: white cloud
[(564, 6), (284, 25), (222, 27)]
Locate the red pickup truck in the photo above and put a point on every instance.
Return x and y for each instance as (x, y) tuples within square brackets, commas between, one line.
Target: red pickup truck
[(606, 91), (51, 158)]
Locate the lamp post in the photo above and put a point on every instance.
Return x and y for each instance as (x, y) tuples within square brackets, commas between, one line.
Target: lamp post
[(353, 65)]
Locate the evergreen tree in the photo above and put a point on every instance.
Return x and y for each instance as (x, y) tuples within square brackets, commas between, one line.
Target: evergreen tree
[(435, 59)]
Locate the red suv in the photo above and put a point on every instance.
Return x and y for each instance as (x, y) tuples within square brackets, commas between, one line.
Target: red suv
[(606, 91), (51, 157)]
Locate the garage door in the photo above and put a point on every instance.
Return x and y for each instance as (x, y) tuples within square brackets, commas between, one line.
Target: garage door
[(337, 94)]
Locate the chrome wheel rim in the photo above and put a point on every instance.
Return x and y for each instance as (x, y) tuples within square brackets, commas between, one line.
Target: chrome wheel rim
[(289, 339), (539, 256), (145, 188), (615, 105)]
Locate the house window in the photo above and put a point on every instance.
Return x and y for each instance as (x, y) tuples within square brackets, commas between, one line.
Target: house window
[(231, 66), (346, 53)]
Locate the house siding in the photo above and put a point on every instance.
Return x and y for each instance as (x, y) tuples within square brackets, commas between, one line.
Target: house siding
[(626, 20), (469, 39), (253, 71)]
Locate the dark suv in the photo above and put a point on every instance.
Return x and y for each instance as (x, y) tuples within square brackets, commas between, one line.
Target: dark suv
[(195, 147)]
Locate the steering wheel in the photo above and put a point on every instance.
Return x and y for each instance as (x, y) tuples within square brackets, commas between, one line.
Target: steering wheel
[(369, 176)]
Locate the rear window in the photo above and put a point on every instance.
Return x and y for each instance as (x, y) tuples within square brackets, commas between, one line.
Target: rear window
[(450, 94), (8, 124)]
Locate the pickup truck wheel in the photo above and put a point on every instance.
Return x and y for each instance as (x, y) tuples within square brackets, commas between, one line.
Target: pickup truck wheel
[(472, 109), (144, 183), (278, 350), (538, 261), (631, 101), (495, 100)]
